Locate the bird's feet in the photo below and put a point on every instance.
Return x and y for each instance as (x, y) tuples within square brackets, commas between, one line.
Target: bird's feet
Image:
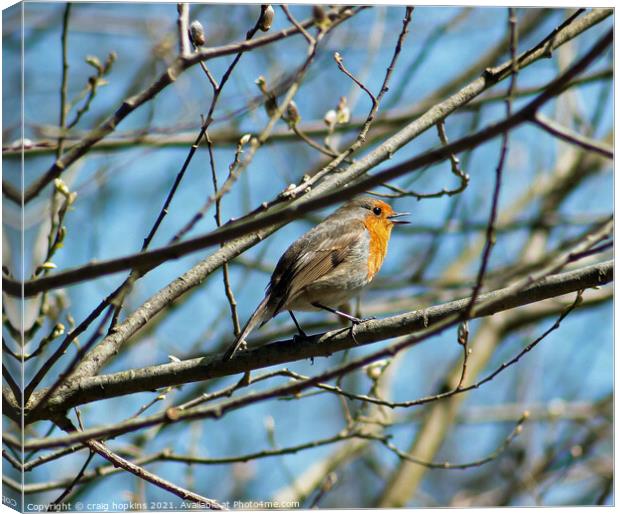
[(232, 351), (302, 335), (298, 338), (357, 321), (353, 325), (344, 315)]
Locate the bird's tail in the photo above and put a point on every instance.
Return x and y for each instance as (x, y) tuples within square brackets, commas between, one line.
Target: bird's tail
[(260, 316)]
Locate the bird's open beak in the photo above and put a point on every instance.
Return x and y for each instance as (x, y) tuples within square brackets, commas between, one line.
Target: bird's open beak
[(398, 215)]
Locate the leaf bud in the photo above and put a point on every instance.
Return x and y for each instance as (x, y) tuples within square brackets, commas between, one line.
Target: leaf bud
[(330, 118), (293, 113), (197, 33), (266, 17)]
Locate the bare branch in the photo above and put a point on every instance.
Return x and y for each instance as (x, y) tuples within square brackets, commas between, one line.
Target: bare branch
[(56, 503), (183, 27), (557, 130), (118, 461), (447, 465), (343, 69), (64, 80), (454, 167), (301, 28), (490, 231), (435, 318)]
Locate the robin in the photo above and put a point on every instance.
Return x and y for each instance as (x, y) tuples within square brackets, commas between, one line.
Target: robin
[(327, 265)]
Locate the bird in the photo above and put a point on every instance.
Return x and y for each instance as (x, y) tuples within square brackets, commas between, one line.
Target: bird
[(328, 265)]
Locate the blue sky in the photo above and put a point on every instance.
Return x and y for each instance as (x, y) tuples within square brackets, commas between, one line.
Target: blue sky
[(120, 194)]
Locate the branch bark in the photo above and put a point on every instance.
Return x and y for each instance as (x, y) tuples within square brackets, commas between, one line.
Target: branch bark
[(81, 391)]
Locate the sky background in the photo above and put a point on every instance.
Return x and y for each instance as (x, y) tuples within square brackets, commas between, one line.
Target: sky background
[(120, 194)]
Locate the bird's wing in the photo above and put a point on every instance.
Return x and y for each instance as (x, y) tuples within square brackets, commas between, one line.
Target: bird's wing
[(311, 257)]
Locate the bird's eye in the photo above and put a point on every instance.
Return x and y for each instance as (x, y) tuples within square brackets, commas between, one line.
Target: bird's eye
[(377, 211)]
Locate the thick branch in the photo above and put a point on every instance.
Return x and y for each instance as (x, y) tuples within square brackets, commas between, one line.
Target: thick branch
[(154, 377)]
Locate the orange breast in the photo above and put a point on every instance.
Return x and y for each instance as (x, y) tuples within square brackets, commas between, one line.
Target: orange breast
[(379, 231)]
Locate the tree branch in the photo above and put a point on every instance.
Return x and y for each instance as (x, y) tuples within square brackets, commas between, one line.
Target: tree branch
[(183, 27), (140, 472), (557, 130), (147, 379)]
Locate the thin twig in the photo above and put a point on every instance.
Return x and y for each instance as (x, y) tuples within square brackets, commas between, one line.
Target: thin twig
[(140, 472), (426, 48), (557, 130), (592, 251), (210, 76), (192, 459), (54, 505), (455, 166), (301, 29), (217, 194), (64, 80), (323, 149), (92, 87), (361, 137), (343, 69), (447, 465), (229, 390), (490, 232), (529, 347), (463, 340), (218, 220)]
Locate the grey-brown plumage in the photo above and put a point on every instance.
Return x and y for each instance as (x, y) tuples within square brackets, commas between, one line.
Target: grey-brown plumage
[(328, 265)]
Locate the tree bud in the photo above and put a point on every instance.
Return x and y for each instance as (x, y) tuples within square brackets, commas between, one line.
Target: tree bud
[(343, 112), (330, 118), (293, 113), (197, 33), (320, 18), (266, 18)]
